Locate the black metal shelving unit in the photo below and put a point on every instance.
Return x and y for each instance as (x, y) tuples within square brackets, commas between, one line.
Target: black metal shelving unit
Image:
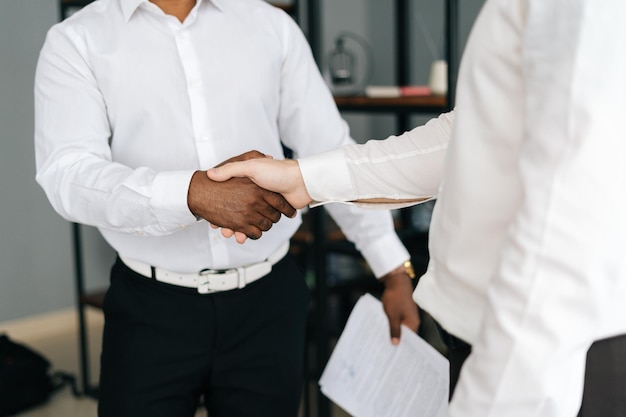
[(402, 108)]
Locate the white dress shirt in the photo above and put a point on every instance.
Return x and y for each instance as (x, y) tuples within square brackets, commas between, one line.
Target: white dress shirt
[(528, 233), (130, 102)]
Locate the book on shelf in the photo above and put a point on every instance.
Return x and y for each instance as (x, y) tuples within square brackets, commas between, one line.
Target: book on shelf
[(393, 91)]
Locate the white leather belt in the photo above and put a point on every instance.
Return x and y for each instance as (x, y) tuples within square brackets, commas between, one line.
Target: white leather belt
[(209, 281)]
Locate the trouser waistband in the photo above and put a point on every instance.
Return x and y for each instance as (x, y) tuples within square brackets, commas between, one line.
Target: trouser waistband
[(209, 281)]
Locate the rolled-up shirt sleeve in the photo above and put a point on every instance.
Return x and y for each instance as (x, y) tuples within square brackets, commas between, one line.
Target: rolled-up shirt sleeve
[(408, 166)]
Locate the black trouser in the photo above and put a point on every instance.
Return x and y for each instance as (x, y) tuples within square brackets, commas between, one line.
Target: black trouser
[(605, 379), (166, 346), (604, 393)]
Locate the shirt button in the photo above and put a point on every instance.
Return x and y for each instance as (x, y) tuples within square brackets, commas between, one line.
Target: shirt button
[(203, 138), (194, 83)]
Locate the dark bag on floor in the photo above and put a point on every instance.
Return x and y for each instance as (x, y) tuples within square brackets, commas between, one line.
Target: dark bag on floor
[(25, 378)]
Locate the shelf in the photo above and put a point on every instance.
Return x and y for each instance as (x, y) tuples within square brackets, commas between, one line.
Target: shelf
[(404, 105)]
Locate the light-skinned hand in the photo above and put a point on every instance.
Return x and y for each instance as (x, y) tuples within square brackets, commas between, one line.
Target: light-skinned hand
[(280, 176)]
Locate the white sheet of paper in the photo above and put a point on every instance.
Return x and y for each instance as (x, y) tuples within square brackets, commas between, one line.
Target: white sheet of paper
[(369, 377)]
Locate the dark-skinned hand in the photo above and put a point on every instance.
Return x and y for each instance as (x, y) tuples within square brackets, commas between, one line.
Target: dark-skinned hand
[(237, 204), (398, 303)]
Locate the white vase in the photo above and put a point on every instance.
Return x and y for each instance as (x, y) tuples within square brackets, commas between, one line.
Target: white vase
[(438, 81)]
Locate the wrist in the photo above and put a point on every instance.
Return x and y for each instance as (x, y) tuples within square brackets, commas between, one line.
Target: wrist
[(403, 272), (406, 268)]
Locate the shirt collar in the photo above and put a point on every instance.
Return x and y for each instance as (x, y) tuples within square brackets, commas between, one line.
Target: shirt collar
[(217, 3), (130, 6)]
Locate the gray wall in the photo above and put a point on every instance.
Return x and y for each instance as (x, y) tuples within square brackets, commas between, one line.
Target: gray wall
[(36, 253), (36, 264)]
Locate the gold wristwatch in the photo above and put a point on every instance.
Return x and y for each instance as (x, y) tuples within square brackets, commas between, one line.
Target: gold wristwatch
[(408, 269)]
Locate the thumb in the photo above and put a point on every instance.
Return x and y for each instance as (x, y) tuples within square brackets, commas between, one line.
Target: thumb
[(243, 168), (225, 172)]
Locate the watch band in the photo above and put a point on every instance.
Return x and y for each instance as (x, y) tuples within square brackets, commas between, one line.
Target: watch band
[(408, 269)]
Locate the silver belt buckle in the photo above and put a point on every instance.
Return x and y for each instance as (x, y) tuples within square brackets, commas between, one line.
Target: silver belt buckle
[(212, 281)]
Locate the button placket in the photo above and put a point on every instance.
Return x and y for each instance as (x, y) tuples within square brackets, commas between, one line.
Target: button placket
[(198, 106)]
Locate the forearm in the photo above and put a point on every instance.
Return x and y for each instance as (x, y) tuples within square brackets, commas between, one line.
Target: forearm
[(407, 167), (115, 197)]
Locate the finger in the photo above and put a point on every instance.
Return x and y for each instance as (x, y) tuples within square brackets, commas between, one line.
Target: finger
[(280, 204), (270, 214), (240, 237), (394, 329), (227, 233), (251, 232), (265, 224), (249, 155), (243, 157)]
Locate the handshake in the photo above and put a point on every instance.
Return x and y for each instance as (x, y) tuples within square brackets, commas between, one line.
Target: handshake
[(245, 195)]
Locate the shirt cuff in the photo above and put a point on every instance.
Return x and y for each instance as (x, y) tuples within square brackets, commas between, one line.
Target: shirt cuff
[(385, 254), (328, 185), (169, 202)]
